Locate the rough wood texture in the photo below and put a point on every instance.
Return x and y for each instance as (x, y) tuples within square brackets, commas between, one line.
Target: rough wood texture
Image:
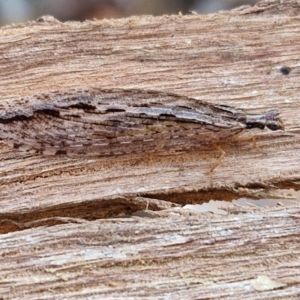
[(234, 58), (246, 58), (175, 255)]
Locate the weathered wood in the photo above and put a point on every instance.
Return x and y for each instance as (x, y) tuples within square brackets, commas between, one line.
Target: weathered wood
[(246, 58), (176, 255), (233, 58)]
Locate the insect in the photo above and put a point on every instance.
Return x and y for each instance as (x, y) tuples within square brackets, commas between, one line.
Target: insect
[(117, 122)]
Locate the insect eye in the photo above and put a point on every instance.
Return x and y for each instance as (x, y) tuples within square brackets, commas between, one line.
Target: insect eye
[(272, 126)]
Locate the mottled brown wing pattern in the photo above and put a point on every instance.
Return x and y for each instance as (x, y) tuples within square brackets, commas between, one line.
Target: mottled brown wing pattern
[(116, 122)]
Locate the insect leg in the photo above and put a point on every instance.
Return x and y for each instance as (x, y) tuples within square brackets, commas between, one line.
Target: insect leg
[(217, 162)]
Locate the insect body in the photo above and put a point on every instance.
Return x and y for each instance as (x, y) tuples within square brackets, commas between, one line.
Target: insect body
[(116, 122)]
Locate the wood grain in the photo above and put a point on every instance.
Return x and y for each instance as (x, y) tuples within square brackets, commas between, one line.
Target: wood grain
[(245, 58), (189, 55), (174, 254)]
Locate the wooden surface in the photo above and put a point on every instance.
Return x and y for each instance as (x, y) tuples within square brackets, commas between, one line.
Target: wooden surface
[(231, 58), (239, 58), (171, 255)]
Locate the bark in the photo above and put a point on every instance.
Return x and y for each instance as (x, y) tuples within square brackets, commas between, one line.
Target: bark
[(246, 58)]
